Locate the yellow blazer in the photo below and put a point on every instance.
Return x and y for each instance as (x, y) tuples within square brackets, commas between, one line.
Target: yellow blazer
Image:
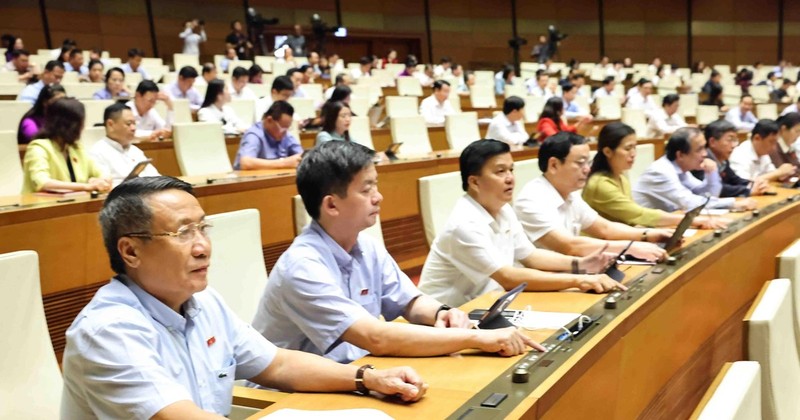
[(44, 162)]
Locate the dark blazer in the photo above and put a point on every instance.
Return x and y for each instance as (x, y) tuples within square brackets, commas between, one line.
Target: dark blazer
[(732, 185), (779, 158)]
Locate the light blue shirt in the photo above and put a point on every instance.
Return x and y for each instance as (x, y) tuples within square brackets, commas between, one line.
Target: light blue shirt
[(105, 94), (742, 121), (665, 186), (127, 69), (195, 100), (128, 355), (317, 290), (83, 69), (571, 109), (31, 92), (257, 143)]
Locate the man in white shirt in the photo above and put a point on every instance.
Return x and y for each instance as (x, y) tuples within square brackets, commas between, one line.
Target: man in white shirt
[(149, 124), (296, 76), (666, 120), (20, 63), (669, 185), (607, 89), (742, 116), (791, 108), (508, 127), (642, 98), (282, 89), (553, 213), (443, 68), (134, 64), (364, 69), (435, 108), (475, 253), (115, 154), (183, 88), (537, 86), (238, 86), (750, 160)]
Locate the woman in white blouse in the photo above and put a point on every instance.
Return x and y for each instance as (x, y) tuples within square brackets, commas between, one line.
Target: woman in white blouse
[(216, 109)]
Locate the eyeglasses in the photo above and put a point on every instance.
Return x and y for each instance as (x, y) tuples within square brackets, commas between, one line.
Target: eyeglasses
[(184, 234)]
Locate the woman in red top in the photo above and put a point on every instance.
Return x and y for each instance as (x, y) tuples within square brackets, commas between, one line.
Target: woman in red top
[(550, 121)]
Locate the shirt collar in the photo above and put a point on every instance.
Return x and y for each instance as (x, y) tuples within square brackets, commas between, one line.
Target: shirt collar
[(272, 141), (342, 257), (483, 216), (115, 145), (553, 196), (160, 312), (674, 164)]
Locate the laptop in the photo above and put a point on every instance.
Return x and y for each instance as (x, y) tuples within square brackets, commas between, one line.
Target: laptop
[(137, 169), (392, 150), (495, 317), (675, 241)]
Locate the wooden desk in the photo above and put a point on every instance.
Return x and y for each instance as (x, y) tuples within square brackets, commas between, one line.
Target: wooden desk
[(654, 360)]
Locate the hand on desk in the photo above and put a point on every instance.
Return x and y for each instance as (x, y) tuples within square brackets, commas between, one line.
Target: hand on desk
[(599, 283), (452, 318), (744, 204), (507, 342), (760, 186), (403, 382), (648, 251), (596, 262)]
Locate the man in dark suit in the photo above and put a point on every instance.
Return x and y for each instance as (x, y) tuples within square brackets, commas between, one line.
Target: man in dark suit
[(721, 138)]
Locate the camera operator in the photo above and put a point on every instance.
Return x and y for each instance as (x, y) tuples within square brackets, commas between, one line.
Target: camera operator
[(193, 34)]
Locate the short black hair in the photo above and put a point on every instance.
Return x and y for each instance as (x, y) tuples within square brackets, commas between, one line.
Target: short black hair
[(125, 211), (445, 59), (146, 86), (566, 87), (339, 78), (114, 110), (73, 52), (765, 128), (187, 72), (254, 71), (364, 60), (670, 99), (558, 146), (475, 155), (279, 108), (341, 92), (53, 64), (681, 141), (292, 71), (17, 53), (745, 95), (239, 71), (789, 120), (282, 83), (208, 68), (513, 103), (717, 129), (93, 62), (328, 169), (439, 84), (642, 82), (608, 80), (135, 52)]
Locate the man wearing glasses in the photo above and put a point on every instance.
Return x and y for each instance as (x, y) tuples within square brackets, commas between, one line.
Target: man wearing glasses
[(553, 213), (268, 144), (157, 343), (722, 139)]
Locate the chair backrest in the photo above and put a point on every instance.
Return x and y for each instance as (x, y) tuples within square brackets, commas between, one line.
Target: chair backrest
[(706, 114), (723, 69), (360, 131), (180, 60), (789, 268), (359, 105), (645, 155), (91, 135), (515, 90), (200, 149), (303, 108), (636, 119), (768, 111), (533, 107), (263, 61), (482, 96), (31, 386), (525, 171), (279, 68), (9, 77), (302, 219), (437, 196), (95, 108), (70, 77), (687, 105), (413, 133), (261, 89), (771, 343), (760, 93), (11, 174), (735, 394), (484, 77), (237, 269), (395, 68), (409, 86), (12, 112), (401, 106), (609, 107), (244, 110), (461, 130), (313, 91)]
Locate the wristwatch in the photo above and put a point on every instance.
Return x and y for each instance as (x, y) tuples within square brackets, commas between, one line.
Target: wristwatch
[(360, 387), (441, 308)]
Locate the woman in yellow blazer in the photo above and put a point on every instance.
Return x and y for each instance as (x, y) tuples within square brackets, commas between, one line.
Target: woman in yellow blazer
[(55, 160), (608, 189)]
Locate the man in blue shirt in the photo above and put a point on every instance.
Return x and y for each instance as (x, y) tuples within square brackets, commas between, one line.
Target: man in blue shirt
[(183, 88), (52, 74), (328, 290), (157, 342), (268, 144)]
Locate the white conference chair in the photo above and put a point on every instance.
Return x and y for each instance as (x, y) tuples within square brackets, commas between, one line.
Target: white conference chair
[(760, 93), (768, 111), (636, 119), (395, 68), (12, 112), (413, 133), (482, 96), (533, 107), (525, 171), (237, 269), (132, 81), (645, 155), (303, 108), (608, 107), (437, 197), (401, 106), (263, 61), (302, 219), (687, 105), (771, 343), (31, 386), (313, 91), (409, 86), (279, 68), (11, 174), (244, 110), (9, 77), (95, 108), (181, 60), (261, 89), (360, 131), (515, 90), (461, 130), (181, 113), (735, 394), (359, 105), (90, 136), (200, 149), (484, 77), (706, 114), (789, 268)]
